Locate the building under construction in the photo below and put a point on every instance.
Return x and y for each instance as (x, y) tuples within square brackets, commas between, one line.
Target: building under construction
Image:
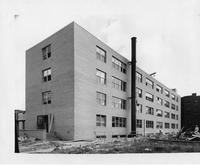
[(77, 87)]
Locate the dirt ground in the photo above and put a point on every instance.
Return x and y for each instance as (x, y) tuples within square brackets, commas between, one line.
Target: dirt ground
[(126, 145)]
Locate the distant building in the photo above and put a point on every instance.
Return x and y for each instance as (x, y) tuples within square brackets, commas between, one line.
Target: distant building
[(20, 117), (80, 88), (190, 115)]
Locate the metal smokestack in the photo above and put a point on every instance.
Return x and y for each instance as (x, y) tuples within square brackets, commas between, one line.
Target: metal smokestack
[(133, 85)]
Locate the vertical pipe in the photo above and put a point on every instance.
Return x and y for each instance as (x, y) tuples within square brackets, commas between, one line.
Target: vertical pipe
[(133, 85)]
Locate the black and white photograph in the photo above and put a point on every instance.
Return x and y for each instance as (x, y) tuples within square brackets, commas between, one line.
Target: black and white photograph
[(100, 81)]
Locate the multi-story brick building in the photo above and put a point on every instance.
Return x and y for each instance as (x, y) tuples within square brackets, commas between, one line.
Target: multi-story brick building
[(80, 88), (190, 116)]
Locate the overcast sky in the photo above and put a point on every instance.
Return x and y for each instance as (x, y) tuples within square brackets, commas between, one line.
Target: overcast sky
[(167, 34)]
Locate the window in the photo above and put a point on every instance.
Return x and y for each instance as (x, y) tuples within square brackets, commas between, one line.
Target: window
[(46, 75), (166, 103), (166, 92), (177, 99), (118, 84), (101, 120), (176, 117), (138, 77), (118, 103), (166, 114), (166, 125), (46, 97), (100, 54), (172, 125), (149, 83), (159, 113), (149, 97), (101, 76), (149, 124), (172, 116), (159, 88), (101, 98), (118, 65), (176, 126), (173, 106), (139, 123), (173, 96), (42, 122), (139, 108), (159, 100), (159, 125), (149, 110), (118, 122), (177, 107), (46, 52), (101, 136), (139, 92)]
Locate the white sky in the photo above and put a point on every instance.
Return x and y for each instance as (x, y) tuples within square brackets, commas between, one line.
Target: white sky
[(167, 32)]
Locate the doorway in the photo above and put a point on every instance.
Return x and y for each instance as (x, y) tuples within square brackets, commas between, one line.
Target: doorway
[(42, 122)]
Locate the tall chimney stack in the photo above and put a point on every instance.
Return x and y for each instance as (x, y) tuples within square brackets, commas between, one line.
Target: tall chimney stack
[(133, 85)]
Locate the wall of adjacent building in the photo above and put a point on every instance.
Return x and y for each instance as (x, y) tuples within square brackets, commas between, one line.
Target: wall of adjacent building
[(86, 86), (61, 84), (143, 116), (190, 116)]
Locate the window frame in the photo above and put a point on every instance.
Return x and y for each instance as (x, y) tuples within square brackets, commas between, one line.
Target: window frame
[(101, 120), (168, 124), (47, 97), (149, 124), (149, 110), (102, 101), (100, 78), (140, 109), (46, 75), (119, 65), (119, 122), (159, 89), (139, 92), (118, 103), (99, 55), (138, 123), (166, 93), (166, 114), (149, 98), (139, 77), (46, 52), (158, 114), (119, 84), (159, 125), (149, 83)]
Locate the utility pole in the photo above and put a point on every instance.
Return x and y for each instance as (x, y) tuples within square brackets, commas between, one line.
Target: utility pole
[(16, 134)]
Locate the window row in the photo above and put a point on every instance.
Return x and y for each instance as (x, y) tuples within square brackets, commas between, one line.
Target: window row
[(116, 63), (116, 121), (159, 125), (149, 83), (116, 83), (159, 100), (116, 102), (158, 112)]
